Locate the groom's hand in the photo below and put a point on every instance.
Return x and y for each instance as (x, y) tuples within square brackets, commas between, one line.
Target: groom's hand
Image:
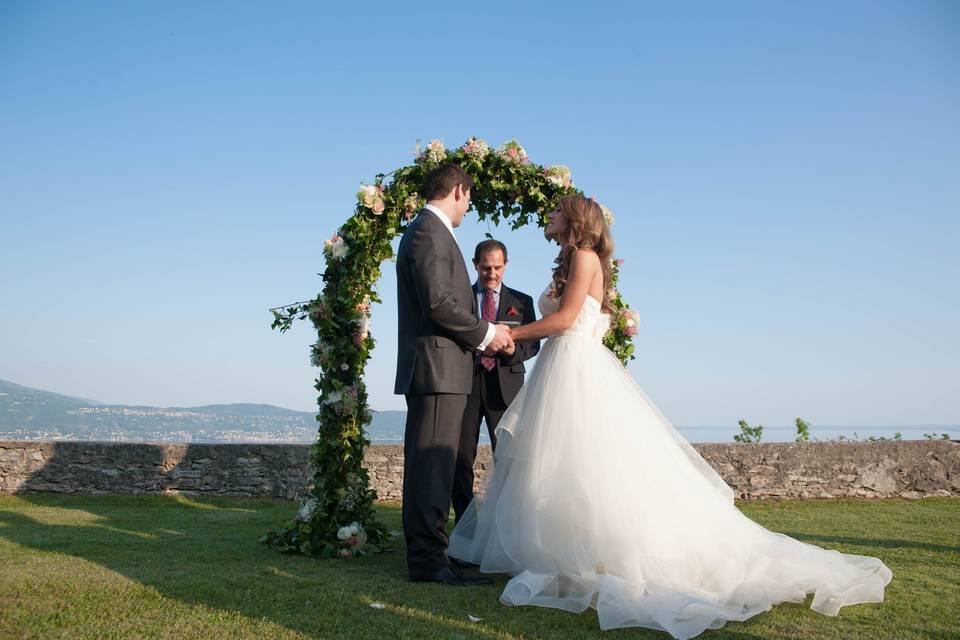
[(501, 340)]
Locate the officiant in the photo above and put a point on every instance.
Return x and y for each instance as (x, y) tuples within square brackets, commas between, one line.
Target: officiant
[(496, 379)]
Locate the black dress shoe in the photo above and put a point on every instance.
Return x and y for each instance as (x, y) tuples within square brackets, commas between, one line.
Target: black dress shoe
[(452, 578), (462, 564)]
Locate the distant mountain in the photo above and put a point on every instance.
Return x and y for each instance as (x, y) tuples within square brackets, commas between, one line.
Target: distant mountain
[(33, 414), (22, 406)]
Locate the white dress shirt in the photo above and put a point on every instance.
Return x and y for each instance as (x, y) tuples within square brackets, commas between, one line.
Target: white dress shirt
[(445, 219)]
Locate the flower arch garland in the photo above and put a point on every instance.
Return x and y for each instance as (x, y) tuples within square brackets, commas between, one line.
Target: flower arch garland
[(337, 519)]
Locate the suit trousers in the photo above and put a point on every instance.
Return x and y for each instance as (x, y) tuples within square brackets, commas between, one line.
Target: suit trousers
[(484, 403), (430, 444)]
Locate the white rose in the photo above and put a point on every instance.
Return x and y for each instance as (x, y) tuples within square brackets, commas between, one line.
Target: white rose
[(333, 397), (338, 249), (344, 366), (344, 533), (607, 215)]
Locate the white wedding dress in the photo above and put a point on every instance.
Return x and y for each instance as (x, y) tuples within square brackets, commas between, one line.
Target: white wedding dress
[(597, 501)]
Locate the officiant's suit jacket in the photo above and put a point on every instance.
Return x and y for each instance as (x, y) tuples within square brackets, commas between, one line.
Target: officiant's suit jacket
[(438, 324), (518, 307)]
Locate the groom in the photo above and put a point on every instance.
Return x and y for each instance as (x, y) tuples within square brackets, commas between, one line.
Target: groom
[(439, 331)]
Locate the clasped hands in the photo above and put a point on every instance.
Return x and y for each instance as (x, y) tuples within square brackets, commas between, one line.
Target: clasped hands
[(502, 342)]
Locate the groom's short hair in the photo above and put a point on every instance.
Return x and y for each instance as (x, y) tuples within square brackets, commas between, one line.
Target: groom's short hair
[(444, 178), (486, 246)]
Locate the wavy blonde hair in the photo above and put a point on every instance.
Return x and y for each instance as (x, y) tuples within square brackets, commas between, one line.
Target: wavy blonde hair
[(586, 229)]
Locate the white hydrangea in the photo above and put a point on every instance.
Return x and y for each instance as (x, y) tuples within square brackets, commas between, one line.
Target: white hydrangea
[(435, 151), (307, 509), (559, 175)]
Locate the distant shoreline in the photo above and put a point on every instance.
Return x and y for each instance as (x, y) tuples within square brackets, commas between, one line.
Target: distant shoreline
[(391, 432)]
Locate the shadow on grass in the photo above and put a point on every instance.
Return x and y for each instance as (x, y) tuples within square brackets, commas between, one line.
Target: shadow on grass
[(872, 542), (204, 551), (187, 550)]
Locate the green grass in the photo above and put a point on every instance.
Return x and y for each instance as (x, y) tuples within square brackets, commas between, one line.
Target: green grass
[(176, 567)]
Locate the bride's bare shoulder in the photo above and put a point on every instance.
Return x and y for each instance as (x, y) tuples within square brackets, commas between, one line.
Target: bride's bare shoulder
[(584, 253), (584, 257)]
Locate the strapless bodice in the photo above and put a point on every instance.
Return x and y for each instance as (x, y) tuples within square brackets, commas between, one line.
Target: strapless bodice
[(590, 322)]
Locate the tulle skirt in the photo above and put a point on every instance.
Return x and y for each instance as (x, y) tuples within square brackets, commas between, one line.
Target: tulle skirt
[(597, 501)]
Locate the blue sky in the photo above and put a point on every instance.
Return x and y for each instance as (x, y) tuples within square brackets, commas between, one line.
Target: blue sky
[(784, 176)]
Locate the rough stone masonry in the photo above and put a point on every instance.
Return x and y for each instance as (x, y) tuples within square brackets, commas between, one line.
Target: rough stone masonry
[(913, 469)]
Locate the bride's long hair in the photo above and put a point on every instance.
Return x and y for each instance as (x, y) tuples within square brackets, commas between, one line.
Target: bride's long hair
[(586, 228)]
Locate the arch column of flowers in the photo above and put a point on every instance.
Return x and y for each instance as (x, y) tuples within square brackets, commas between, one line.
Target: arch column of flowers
[(337, 518)]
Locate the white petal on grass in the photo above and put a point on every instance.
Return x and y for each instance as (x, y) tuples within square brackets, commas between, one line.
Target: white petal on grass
[(377, 605)]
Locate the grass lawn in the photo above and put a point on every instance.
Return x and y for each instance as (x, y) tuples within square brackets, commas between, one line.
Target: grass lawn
[(177, 567)]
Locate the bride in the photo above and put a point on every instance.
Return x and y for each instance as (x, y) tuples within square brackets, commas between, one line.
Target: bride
[(597, 501)]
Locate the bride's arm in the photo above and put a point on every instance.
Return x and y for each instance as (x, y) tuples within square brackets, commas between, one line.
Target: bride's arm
[(583, 266)]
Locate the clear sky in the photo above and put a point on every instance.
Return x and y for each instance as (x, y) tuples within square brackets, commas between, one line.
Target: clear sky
[(785, 176)]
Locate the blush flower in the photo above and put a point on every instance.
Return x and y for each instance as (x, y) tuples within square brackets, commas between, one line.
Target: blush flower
[(476, 148), (512, 152), (371, 197)]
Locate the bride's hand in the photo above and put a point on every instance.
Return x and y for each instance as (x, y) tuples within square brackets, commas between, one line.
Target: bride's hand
[(510, 348)]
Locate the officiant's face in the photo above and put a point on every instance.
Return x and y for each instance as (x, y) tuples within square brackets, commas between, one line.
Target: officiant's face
[(490, 269)]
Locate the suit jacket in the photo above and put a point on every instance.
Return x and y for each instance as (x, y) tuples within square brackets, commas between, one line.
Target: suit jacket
[(510, 369), (437, 324)]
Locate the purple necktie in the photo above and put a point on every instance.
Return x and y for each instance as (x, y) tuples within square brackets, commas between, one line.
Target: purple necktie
[(488, 311)]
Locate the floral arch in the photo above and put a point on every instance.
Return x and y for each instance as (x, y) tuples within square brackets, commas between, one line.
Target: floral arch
[(338, 517)]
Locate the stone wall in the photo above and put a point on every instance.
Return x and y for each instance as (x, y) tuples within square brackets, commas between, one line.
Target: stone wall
[(787, 470)]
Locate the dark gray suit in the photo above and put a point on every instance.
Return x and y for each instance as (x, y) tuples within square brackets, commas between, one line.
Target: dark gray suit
[(438, 331)]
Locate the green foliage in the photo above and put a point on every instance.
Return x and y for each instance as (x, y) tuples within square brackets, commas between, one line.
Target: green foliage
[(748, 434), (897, 437), (508, 188), (934, 436), (803, 430)]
